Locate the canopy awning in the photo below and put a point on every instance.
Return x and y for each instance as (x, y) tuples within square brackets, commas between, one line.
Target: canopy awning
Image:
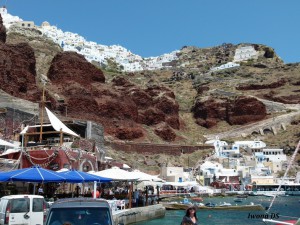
[(58, 125), (32, 174), (75, 176), (6, 143), (146, 177), (55, 123)]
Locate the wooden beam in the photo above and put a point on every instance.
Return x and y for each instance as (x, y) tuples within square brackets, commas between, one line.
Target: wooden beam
[(47, 132), (42, 114), (61, 137)]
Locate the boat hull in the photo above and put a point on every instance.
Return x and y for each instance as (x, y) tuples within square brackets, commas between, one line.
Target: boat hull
[(178, 206)]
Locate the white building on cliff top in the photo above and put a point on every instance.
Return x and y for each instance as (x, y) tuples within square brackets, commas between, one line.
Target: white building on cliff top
[(245, 53), (92, 51)]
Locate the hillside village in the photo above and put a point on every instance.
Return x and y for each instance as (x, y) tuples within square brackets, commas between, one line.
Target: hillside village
[(100, 54), (236, 167)]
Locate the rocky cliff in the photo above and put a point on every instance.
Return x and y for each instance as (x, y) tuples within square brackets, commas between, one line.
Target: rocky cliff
[(177, 104)]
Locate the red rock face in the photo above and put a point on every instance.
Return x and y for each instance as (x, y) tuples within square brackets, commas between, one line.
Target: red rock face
[(277, 84), (165, 132), (210, 108), (65, 66), (291, 99), (151, 116), (245, 110), (239, 111), (17, 71), (121, 107)]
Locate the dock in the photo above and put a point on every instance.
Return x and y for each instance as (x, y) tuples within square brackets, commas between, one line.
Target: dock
[(134, 215)]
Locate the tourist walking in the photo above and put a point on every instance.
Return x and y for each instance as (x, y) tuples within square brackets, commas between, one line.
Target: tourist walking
[(190, 217), (136, 197)]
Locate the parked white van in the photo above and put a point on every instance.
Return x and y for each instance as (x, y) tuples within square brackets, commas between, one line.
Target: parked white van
[(22, 209)]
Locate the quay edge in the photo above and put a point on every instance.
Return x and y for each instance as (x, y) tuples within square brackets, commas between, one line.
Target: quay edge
[(133, 215)]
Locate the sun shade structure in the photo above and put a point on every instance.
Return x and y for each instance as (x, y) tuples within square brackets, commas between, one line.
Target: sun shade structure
[(146, 177), (32, 174), (55, 123), (75, 176), (116, 174), (6, 143), (58, 125)]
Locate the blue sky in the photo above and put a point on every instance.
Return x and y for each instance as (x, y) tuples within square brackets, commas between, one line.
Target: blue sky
[(151, 28)]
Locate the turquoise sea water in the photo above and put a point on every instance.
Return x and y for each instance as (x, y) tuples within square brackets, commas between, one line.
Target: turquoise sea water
[(283, 206)]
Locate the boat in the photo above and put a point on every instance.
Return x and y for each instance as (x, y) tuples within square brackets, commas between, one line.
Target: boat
[(225, 204), (180, 206), (197, 199), (210, 204), (238, 199), (242, 196), (186, 201), (286, 222), (52, 146), (270, 195)]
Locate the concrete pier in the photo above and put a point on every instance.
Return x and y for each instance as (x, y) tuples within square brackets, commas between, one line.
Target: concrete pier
[(129, 216)]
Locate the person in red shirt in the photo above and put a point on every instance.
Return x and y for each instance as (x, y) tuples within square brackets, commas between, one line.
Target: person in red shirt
[(97, 194)]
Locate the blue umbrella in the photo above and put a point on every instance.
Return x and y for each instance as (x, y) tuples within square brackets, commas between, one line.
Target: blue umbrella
[(3, 176), (32, 174), (75, 176)]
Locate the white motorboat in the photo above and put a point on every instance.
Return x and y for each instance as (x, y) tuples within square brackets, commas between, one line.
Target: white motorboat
[(224, 204)]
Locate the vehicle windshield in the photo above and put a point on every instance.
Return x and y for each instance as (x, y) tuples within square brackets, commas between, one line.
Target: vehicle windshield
[(79, 216)]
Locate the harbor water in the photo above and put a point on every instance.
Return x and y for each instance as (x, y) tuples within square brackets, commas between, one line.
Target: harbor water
[(284, 208)]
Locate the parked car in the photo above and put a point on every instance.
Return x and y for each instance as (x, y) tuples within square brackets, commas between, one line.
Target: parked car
[(83, 211), (22, 209)]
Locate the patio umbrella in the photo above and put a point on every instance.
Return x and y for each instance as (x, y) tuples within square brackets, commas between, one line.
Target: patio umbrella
[(75, 176), (116, 173), (3, 177), (32, 174), (146, 177)]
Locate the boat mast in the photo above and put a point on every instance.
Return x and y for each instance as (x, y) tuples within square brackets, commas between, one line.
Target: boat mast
[(285, 174), (42, 114)]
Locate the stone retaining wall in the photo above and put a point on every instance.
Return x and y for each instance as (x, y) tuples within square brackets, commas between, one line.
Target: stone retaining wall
[(135, 215), (151, 149)]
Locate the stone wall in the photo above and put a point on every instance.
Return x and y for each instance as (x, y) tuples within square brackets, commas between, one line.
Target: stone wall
[(11, 120), (95, 132), (152, 149)]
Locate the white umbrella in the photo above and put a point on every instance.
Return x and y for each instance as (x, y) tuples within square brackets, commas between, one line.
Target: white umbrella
[(116, 174), (145, 177)]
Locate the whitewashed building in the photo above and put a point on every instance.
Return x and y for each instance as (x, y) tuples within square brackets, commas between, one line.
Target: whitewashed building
[(274, 158), (225, 66), (245, 53), (91, 50), (172, 174)]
